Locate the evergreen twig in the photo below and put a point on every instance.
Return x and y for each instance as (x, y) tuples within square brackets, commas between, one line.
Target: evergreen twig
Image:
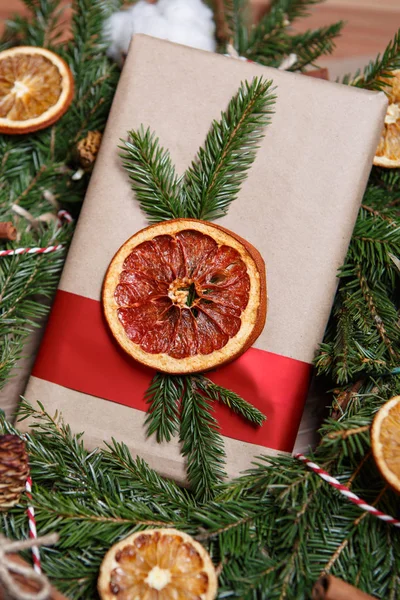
[(271, 40), (202, 444), (214, 179), (230, 399), (163, 397), (377, 71), (153, 176)]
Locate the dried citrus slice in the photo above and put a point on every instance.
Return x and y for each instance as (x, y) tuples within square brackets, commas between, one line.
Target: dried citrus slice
[(388, 151), (385, 440), (163, 564), (36, 88), (184, 296)]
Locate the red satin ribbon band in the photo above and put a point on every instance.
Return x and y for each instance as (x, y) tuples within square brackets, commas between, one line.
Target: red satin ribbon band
[(79, 353)]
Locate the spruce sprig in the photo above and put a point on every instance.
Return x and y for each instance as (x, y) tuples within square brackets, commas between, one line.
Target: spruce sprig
[(312, 44), (26, 286), (377, 71), (230, 399), (214, 179), (176, 399), (153, 177), (271, 40), (44, 30), (363, 333), (202, 444), (163, 396)]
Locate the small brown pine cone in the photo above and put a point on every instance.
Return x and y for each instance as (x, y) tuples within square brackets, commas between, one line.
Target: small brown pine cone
[(14, 470), (87, 150)]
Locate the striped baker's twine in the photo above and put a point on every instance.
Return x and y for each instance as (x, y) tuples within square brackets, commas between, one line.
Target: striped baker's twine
[(16, 251), (32, 527), (62, 215), (347, 493)]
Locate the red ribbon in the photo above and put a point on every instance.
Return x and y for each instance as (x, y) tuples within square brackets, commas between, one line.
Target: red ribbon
[(79, 353)]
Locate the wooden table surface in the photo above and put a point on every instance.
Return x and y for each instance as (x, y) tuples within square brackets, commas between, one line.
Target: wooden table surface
[(369, 23)]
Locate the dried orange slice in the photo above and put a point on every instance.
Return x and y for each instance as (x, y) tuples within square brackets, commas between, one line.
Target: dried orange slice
[(36, 88), (388, 151), (385, 441), (184, 296), (163, 564)]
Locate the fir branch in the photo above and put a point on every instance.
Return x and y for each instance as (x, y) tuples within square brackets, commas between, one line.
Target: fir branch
[(363, 333), (153, 176), (277, 523), (214, 179), (230, 399), (307, 47), (26, 285), (163, 397), (270, 41), (380, 69), (273, 25), (202, 444), (310, 45), (42, 28), (136, 476)]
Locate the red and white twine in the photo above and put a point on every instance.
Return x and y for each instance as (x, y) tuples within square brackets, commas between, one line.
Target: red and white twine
[(32, 527), (347, 493), (62, 215), (16, 251)]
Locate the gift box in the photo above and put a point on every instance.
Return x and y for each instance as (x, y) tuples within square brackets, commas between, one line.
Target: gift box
[(297, 207)]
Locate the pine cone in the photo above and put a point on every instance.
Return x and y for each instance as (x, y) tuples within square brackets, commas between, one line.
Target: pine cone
[(14, 470), (87, 149)]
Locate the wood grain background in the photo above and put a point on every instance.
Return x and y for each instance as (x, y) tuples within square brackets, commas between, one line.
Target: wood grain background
[(369, 23)]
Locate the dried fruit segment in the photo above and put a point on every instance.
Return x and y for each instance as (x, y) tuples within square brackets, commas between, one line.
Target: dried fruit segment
[(36, 88), (163, 564), (385, 438), (388, 151), (185, 295)]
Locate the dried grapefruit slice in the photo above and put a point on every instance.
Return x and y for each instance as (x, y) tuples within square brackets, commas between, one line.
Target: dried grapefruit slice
[(388, 151), (36, 88), (163, 564), (385, 441), (184, 296)]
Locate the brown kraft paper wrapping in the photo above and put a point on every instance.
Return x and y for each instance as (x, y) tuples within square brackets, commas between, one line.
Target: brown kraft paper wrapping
[(297, 207)]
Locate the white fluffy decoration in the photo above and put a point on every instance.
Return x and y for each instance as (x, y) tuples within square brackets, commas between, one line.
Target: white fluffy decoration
[(188, 22)]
